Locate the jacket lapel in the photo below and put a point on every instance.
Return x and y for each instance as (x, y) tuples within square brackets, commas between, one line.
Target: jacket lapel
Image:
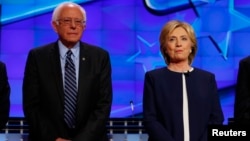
[(56, 68), (83, 69), (83, 61)]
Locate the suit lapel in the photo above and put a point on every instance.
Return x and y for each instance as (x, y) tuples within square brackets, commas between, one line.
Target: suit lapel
[(83, 69), (83, 60), (56, 68)]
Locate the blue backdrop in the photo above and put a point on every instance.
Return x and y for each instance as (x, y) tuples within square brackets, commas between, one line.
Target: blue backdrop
[(129, 30)]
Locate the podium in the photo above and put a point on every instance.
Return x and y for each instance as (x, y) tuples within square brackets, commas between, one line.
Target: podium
[(119, 129), (126, 129)]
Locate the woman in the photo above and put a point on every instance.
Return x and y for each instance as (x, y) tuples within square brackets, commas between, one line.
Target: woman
[(179, 101)]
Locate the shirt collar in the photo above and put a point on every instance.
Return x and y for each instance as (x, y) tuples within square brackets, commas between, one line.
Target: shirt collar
[(63, 49)]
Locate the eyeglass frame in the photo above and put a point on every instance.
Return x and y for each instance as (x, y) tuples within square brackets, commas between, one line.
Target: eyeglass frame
[(68, 21)]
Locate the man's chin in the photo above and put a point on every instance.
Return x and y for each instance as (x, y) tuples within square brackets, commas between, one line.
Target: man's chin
[(70, 43), (73, 40)]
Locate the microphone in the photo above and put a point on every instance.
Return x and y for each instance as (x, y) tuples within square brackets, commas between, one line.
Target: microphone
[(132, 108), (132, 105)]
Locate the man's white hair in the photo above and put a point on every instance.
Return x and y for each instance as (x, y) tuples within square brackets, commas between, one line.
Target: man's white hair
[(57, 10)]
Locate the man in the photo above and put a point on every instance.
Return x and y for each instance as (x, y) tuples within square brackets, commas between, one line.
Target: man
[(242, 95), (54, 72), (4, 96)]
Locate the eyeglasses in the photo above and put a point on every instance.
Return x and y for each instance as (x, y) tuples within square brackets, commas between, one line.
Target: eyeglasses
[(68, 21)]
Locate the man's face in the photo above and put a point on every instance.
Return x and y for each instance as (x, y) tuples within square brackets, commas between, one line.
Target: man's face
[(69, 25)]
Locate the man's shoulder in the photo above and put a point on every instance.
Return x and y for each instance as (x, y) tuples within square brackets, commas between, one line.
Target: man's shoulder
[(1, 63), (44, 49), (92, 47), (45, 46), (245, 59)]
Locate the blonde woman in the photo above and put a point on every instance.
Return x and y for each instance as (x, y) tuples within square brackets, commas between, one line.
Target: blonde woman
[(180, 101)]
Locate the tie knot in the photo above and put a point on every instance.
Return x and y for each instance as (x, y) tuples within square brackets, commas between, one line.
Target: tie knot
[(69, 53)]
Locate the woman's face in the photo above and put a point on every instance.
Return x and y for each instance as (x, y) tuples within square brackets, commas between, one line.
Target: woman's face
[(178, 46)]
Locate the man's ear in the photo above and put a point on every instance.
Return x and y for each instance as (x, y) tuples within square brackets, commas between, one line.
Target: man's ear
[(54, 25)]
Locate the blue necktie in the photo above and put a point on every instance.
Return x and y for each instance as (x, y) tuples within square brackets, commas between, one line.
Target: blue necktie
[(70, 91)]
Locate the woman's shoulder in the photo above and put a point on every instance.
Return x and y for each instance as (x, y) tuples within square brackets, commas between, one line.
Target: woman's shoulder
[(157, 70), (162, 73), (204, 72)]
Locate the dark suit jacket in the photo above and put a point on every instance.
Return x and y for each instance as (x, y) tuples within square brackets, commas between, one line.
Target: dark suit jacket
[(242, 94), (162, 104), (4, 96), (43, 96)]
